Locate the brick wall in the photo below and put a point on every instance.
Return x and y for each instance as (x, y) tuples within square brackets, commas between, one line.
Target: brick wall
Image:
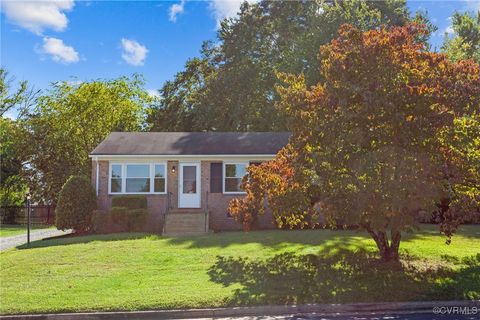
[(218, 205), (157, 204), (172, 183)]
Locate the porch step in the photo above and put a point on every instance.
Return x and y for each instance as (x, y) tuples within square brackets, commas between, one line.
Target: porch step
[(187, 210), (184, 224)]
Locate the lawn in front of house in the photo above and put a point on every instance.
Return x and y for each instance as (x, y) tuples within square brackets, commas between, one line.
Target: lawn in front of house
[(10, 230), (140, 271)]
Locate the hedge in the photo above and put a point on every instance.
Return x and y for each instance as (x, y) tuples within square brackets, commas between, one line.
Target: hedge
[(130, 201), (101, 221), (129, 219)]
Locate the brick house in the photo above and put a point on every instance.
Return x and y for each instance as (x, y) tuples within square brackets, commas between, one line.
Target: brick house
[(187, 177)]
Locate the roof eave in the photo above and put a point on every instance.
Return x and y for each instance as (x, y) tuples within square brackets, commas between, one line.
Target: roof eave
[(177, 155)]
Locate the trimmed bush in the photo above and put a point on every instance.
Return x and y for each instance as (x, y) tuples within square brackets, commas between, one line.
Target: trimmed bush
[(129, 219), (130, 201), (119, 216), (139, 218), (76, 203), (101, 221)]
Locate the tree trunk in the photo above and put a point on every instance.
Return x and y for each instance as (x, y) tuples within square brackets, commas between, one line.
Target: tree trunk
[(395, 245), (388, 251)]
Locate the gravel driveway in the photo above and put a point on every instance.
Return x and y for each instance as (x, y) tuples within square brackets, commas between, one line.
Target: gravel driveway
[(37, 234)]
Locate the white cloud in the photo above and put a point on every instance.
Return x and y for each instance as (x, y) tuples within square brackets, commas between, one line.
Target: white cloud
[(226, 8), (473, 5), (153, 93), (58, 51), (449, 30), (38, 15), (74, 82), (10, 114), (133, 52), (176, 9)]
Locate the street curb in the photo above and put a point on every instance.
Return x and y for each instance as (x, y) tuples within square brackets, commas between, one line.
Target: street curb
[(392, 307)]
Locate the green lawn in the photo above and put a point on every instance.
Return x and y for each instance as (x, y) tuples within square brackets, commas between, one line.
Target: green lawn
[(138, 271), (8, 230)]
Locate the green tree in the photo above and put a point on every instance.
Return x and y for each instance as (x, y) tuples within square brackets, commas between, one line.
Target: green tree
[(465, 42), (379, 142), (180, 97), (464, 137), (12, 185), (231, 87), (76, 203), (10, 100), (68, 121)]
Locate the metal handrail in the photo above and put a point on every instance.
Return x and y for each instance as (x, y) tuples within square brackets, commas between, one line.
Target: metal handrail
[(206, 211)]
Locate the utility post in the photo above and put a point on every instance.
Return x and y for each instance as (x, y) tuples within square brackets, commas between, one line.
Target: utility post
[(28, 219)]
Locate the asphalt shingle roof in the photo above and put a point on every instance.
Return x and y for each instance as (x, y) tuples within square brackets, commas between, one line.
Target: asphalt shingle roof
[(192, 143)]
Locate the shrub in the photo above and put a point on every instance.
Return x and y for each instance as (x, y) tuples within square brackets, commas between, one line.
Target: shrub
[(76, 203), (129, 219), (101, 221), (130, 201), (9, 215), (119, 215), (138, 219), (129, 212)]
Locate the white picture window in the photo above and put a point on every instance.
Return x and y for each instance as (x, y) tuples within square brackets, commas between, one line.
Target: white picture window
[(138, 178), (233, 174)]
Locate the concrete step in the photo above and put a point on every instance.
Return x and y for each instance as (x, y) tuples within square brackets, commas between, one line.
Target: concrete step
[(184, 223), (187, 210), (183, 234)]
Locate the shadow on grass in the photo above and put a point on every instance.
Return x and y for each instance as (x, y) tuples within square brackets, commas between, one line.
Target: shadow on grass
[(275, 239), (471, 231), (278, 238), (343, 276), (270, 238), (72, 239)]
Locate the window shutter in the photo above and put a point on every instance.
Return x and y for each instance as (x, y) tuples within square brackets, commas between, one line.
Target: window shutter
[(216, 177)]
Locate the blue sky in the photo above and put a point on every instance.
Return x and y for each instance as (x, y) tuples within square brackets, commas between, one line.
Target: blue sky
[(82, 40)]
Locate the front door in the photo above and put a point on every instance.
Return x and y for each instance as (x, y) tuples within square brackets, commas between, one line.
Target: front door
[(189, 185)]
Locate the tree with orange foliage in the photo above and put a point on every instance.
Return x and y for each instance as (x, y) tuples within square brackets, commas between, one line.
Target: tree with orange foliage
[(390, 131), (280, 185)]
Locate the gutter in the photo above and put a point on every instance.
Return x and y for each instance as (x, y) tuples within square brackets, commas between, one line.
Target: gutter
[(173, 156), (96, 174)]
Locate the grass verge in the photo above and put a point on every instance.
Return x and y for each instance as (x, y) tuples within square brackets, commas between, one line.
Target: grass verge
[(139, 271)]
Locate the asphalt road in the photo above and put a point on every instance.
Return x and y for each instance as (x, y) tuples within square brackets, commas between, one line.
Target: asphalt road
[(364, 316)]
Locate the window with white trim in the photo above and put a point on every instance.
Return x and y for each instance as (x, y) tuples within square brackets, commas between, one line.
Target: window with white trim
[(159, 178), (138, 178), (233, 174), (116, 178)]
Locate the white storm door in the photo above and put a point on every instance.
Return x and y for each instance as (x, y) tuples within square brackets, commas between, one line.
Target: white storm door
[(189, 185)]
